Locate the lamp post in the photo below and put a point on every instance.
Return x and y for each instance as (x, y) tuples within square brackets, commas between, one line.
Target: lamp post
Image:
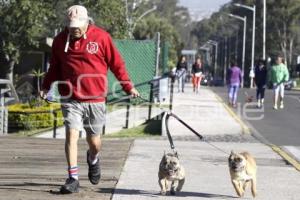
[(215, 43), (253, 9), (244, 19), (264, 30)]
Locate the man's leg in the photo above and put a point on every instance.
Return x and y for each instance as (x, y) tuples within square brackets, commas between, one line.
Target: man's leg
[(93, 125), (72, 184), (72, 136), (94, 143)]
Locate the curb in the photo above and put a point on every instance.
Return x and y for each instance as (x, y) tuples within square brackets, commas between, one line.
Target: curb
[(286, 156), (245, 128)]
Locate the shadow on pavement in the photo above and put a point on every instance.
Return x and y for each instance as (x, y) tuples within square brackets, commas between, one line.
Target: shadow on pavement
[(154, 194)]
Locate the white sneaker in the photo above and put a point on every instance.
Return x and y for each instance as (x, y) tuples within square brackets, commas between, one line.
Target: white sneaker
[(281, 106), (258, 104), (275, 107)]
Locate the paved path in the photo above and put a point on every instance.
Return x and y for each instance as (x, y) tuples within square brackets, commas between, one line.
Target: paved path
[(204, 112), (207, 172), (34, 169), (206, 166)]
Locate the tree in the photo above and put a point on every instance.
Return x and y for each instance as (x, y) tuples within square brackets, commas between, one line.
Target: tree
[(109, 14), (38, 74), (21, 25), (147, 29), (284, 26)]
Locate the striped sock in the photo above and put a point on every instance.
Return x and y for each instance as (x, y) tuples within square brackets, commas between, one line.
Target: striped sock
[(73, 172)]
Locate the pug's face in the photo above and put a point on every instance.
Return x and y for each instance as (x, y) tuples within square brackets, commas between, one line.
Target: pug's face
[(236, 162), (170, 164)]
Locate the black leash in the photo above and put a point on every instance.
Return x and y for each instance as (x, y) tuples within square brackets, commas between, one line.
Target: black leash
[(190, 128), (123, 98)]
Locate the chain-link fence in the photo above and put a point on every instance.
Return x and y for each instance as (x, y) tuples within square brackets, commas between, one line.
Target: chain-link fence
[(140, 59)]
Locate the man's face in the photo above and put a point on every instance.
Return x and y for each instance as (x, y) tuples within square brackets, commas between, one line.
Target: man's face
[(77, 32)]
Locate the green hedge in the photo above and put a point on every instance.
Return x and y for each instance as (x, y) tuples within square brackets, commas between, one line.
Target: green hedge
[(29, 117)]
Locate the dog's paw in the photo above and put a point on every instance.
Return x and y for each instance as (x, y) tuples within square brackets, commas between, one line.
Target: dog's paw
[(163, 192)]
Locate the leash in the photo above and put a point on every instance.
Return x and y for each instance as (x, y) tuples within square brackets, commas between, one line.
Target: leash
[(169, 114)]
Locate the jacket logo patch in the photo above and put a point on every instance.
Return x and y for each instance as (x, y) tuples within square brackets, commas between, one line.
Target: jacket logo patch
[(92, 47)]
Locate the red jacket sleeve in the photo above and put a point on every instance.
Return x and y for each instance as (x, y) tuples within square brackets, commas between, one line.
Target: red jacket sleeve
[(117, 64), (53, 71)]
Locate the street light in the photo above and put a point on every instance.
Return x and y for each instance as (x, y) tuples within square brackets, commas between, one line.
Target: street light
[(215, 43), (253, 9), (264, 30), (244, 19)]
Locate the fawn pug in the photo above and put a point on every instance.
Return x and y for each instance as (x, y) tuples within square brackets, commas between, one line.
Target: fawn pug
[(242, 167), (171, 171)]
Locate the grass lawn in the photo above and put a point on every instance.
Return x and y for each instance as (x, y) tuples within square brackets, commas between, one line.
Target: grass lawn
[(31, 132), (151, 128)]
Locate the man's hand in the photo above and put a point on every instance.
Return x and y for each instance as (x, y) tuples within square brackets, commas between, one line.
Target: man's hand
[(134, 93), (43, 94)]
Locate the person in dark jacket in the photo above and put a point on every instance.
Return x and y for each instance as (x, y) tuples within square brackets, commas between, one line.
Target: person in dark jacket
[(181, 70), (197, 74), (260, 81)]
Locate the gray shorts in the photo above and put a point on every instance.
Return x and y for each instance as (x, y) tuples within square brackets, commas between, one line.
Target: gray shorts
[(81, 115)]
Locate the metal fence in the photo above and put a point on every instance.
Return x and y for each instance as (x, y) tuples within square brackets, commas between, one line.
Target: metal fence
[(140, 59)]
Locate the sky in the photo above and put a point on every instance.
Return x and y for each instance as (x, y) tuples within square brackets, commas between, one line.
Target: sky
[(200, 9)]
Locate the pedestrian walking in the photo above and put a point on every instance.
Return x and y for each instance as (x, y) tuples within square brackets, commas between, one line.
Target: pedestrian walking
[(197, 72), (279, 74), (181, 70), (81, 55), (234, 79), (260, 82)]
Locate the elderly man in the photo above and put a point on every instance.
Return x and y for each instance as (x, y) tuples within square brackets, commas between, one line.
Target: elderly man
[(81, 56)]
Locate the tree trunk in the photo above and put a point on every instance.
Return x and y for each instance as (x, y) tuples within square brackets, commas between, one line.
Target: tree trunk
[(10, 71), (285, 41), (291, 45), (38, 84)]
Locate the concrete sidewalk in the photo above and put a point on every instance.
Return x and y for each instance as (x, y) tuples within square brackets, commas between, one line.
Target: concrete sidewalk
[(206, 167)]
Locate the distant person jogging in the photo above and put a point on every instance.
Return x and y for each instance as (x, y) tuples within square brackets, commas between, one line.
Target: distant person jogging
[(81, 55), (279, 74), (234, 79), (197, 74), (260, 81), (181, 70)]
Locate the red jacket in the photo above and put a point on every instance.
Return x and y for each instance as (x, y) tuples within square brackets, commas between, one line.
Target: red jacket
[(82, 70)]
